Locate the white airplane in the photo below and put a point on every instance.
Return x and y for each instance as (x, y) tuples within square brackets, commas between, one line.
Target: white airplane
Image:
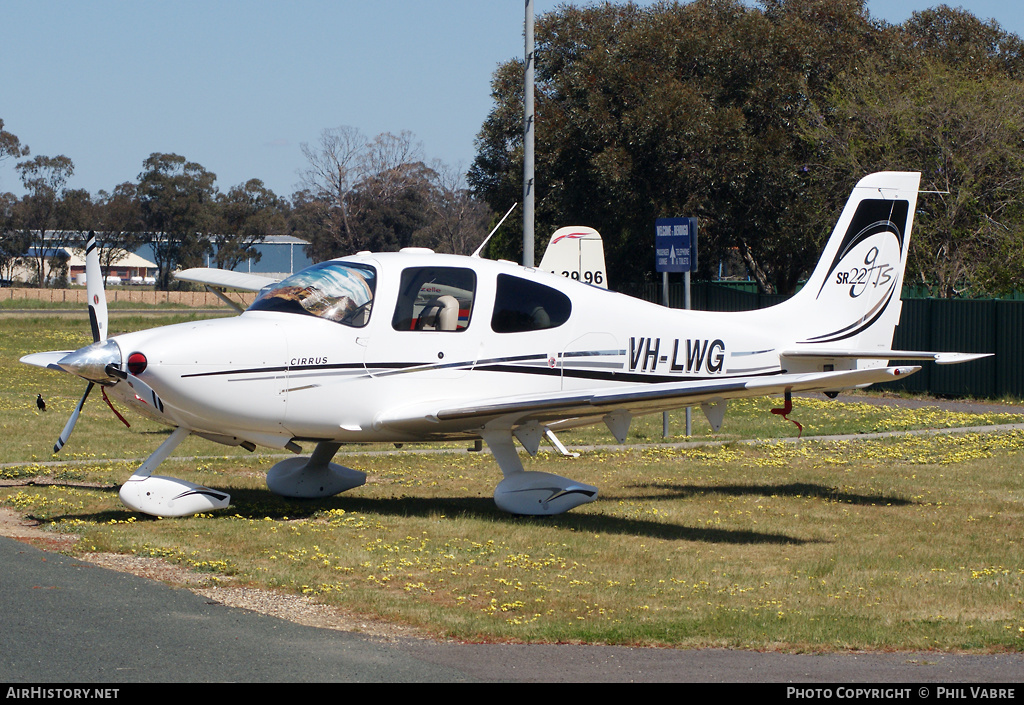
[(417, 346)]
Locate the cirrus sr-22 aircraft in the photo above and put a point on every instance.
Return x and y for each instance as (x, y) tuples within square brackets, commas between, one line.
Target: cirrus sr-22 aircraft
[(417, 346)]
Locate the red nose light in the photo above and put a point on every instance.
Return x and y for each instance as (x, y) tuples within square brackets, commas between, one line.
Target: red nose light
[(137, 363)]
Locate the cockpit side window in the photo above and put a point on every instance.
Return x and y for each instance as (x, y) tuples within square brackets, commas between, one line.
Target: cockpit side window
[(336, 291), (435, 298), (523, 305)]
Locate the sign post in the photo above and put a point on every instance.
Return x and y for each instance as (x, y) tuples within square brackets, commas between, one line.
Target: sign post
[(675, 250)]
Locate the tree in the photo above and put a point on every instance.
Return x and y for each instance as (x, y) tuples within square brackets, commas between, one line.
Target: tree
[(43, 211), (458, 221), (964, 134), (118, 220), (246, 215), (964, 43), (391, 207), (10, 145), (175, 198), (14, 242), (950, 104), (308, 218), (365, 194), (334, 167), (359, 184), (679, 109)]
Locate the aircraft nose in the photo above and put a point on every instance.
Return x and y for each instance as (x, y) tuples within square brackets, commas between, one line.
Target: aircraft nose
[(98, 362)]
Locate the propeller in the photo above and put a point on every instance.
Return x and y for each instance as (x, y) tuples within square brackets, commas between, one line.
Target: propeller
[(101, 363), (70, 425), (94, 289), (93, 361)]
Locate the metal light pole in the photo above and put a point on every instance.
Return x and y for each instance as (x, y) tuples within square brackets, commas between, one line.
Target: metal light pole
[(528, 139)]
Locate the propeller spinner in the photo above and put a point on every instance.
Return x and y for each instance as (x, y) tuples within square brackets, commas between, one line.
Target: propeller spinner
[(97, 362)]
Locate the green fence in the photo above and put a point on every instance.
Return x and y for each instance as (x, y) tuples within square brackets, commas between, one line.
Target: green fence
[(988, 326), (965, 326), (705, 296)]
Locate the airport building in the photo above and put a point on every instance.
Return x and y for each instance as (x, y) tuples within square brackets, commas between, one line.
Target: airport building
[(280, 255)]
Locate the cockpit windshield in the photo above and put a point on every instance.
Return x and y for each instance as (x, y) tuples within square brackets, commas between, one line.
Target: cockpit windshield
[(338, 291)]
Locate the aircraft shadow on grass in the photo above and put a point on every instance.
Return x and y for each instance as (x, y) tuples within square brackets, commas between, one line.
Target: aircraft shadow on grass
[(257, 504), (793, 489)]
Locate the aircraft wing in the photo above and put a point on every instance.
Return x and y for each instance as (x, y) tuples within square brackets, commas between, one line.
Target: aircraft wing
[(941, 358), (211, 276), (635, 399)]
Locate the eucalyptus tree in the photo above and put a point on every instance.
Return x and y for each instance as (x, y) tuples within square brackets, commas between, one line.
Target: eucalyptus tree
[(458, 221), (42, 213), (118, 220), (677, 109), (969, 46), (363, 194), (334, 165), (246, 215), (952, 109), (757, 120), (14, 241), (176, 200), (10, 145)]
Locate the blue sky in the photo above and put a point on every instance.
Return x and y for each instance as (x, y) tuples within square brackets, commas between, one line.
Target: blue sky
[(239, 85)]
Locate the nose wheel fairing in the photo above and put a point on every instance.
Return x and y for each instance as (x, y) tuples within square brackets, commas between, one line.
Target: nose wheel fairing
[(168, 496)]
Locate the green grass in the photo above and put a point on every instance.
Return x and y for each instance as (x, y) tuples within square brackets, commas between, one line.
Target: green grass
[(910, 542), (76, 309)]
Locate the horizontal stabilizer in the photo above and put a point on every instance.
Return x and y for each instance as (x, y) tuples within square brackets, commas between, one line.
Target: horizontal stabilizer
[(224, 278)]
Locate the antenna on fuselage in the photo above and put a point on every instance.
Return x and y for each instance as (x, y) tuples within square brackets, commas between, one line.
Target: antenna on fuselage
[(484, 243)]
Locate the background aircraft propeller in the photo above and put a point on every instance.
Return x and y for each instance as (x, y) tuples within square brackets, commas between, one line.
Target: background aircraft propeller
[(98, 323)]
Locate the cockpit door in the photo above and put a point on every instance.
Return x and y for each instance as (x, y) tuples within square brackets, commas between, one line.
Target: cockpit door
[(428, 334)]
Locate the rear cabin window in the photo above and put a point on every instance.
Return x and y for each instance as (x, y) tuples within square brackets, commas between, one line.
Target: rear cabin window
[(435, 298), (523, 305)]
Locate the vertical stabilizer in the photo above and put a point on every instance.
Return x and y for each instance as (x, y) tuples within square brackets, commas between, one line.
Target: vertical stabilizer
[(576, 252), (852, 299)]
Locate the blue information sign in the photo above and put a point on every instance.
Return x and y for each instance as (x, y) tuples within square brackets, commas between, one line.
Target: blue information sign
[(675, 244)]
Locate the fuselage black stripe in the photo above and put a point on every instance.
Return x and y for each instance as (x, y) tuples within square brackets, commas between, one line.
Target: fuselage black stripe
[(500, 365)]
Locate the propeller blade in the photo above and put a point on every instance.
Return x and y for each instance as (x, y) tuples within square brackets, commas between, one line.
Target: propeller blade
[(70, 425), (94, 289), (47, 360)]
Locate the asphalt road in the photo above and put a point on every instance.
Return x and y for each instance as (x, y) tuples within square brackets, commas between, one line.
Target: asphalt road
[(67, 621)]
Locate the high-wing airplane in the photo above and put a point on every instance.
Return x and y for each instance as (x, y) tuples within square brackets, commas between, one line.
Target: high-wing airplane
[(417, 346)]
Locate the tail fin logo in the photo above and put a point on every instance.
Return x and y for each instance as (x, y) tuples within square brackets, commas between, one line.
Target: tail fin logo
[(871, 254), (865, 275), (872, 275)]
